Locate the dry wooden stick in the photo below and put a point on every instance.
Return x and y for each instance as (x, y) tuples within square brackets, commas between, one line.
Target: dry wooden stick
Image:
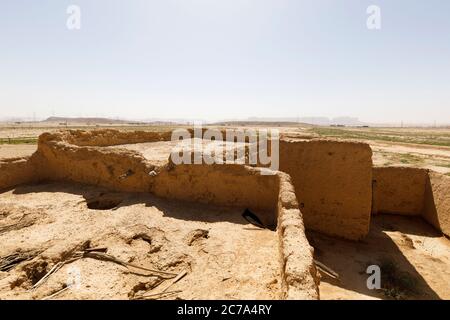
[(98, 253), (10, 261), (175, 280), (98, 249), (56, 293), (165, 288), (55, 268), (158, 295), (326, 269), (107, 257)]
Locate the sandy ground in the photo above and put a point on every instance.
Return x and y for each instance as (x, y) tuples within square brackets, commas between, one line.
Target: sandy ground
[(385, 153), (19, 150), (443, 152), (34, 129), (225, 257), (158, 152), (413, 246), (435, 158)]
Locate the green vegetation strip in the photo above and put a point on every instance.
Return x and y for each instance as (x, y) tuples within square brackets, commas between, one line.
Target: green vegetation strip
[(419, 138), (18, 140)]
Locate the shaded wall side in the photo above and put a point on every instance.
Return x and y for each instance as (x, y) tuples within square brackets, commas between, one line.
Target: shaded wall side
[(226, 184), (437, 202), (16, 171), (333, 183), (399, 190), (300, 279)]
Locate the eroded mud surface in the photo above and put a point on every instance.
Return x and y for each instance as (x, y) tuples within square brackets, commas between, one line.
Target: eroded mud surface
[(40, 225)]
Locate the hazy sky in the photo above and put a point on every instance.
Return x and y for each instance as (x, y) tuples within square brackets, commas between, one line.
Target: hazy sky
[(214, 59)]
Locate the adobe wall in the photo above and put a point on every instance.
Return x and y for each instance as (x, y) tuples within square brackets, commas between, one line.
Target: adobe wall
[(21, 170), (126, 170), (109, 137), (271, 197), (300, 278), (437, 202), (227, 184), (399, 190), (332, 194), (333, 183), (119, 169)]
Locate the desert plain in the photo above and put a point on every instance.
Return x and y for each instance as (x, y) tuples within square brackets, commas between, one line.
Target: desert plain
[(73, 240)]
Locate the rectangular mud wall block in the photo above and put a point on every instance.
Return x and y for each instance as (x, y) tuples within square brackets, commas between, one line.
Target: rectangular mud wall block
[(17, 171), (300, 278), (121, 170), (228, 185), (333, 184), (437, 202), (110, 137), (398, 190)]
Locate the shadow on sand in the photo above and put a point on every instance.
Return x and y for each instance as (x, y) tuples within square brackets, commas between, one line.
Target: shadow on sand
[(98, 198), (350, 259)]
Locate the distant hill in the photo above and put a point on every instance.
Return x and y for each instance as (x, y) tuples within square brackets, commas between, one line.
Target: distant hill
[(320, 121), (88, 120), (305, 121), (259, 123)]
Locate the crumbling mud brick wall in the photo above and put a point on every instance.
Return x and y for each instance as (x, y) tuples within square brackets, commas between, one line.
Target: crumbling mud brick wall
[(127, 170), (15, 171), (413, 191), (299, 274), (437, 202), (399, 190), (272, 197), (119, 169), (333, 183), (110, 137), (227, 184)]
